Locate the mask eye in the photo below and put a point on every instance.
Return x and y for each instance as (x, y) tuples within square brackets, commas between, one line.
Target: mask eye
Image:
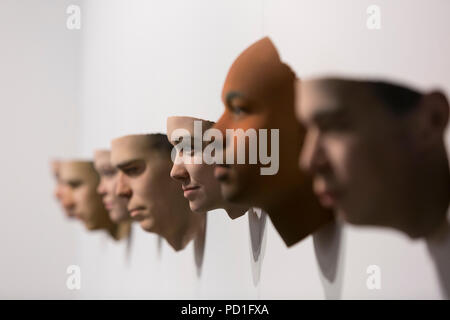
[(130, 171), (237, 110), (237, 104), (339, 125), (133, 170), (74, 184)]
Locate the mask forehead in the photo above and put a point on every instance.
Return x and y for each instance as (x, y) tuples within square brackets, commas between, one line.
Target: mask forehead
[(313, 96), (332, 94), (128, 148), (258, 72), (74, 170), (187, 124), (102, 158)]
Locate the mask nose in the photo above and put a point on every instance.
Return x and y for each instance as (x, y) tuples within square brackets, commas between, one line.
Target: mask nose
[(312, 157), (58, 192), (179, 173), (122, 187), (222, 146), (101, 190), (68, 203)]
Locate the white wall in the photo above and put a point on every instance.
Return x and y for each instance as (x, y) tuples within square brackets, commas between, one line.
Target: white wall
[(39, 63), (143, 61)]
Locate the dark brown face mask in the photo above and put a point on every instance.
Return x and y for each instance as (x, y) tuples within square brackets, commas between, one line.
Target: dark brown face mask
[(259, 94)]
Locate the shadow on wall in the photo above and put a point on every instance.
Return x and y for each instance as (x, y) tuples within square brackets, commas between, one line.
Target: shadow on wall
[(439, 250), (257, 231), (328, 249)]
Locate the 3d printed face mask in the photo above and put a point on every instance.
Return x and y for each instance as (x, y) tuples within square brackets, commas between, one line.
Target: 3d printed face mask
[(259, 94), (197, 178), (154, 199)]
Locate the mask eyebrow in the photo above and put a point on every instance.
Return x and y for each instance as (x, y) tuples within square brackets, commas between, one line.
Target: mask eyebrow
[(326, 114), (233, 95), (181, 139), (72, 182), (191, 143), (103, 166), (106, 169), (125, 164)]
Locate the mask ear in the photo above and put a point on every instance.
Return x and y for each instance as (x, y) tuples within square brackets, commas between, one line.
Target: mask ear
[(434, 113)]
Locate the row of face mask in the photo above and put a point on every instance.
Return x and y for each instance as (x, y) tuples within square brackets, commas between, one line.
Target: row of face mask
[(371, 152)]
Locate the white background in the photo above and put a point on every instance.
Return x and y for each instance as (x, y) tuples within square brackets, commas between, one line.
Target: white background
[(133, 64)]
